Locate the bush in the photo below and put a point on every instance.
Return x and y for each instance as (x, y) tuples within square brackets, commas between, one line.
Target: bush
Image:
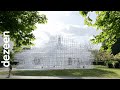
[(109, 64), (98, 63), (116, 64), (113, 64)]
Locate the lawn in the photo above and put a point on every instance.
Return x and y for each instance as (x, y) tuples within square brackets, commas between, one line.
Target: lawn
[(98, 71)]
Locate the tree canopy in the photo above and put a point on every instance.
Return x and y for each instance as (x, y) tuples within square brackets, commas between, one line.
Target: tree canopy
[(109, 23), (21, 24)]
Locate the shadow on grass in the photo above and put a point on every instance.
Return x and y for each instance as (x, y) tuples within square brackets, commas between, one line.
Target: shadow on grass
[(72, 72)]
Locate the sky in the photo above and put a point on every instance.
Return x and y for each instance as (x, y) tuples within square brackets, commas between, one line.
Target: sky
[(66, 23)]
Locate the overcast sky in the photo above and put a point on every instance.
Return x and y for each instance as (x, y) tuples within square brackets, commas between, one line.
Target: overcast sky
[(67, 23)]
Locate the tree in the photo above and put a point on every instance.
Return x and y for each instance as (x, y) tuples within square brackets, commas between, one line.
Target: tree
[(95, 54), (20, 24), (117, 57), (109, 23)]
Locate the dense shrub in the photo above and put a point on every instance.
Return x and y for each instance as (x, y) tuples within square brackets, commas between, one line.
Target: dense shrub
[(112, 63), (98, 63), (106, 58)]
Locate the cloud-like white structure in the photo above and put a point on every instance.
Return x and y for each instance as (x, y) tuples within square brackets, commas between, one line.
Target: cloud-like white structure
[(67, 23)]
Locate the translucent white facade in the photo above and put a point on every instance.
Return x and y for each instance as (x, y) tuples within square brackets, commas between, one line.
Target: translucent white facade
[(58, 53)]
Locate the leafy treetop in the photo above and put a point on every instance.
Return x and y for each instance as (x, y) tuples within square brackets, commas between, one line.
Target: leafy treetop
[(21, 24), (109, 23)]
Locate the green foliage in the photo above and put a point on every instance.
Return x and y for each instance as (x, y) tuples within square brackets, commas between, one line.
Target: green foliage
[(110, 60), (109, 23), (20, 24), (112, 63), (116, 47), (117, 57), (84, 13), (95, 54), (102, 55)]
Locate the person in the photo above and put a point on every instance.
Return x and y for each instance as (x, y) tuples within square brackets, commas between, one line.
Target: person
[(10, 69)]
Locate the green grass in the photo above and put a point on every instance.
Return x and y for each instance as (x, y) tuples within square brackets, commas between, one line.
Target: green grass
[(3, 73), (98, 71)]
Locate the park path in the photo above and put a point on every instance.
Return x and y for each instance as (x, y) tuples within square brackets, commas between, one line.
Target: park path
[(50, 77)]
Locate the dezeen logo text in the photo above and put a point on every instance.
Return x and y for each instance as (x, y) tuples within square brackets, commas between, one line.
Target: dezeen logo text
[(6, 49)]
